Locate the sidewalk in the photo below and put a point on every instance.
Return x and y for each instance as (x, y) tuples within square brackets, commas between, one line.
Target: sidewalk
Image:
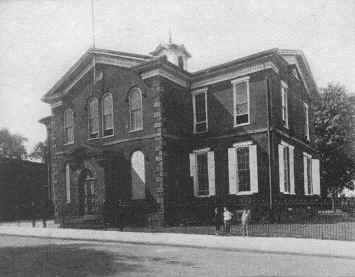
[(329, 248)]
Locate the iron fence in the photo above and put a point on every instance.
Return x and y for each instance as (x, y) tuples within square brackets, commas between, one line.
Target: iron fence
[(317, 219)]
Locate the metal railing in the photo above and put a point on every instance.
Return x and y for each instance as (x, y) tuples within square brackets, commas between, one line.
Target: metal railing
[(318, 219)]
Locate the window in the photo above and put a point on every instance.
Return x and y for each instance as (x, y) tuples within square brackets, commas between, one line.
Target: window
[(199, 102), (202, 169), (202, 173), (68, 126), (93, 118), (138, 175), (311, 175), (286, 168), (306, 123), (243, 168), (241, 101), (135, 109), (67, 183), (107, 115), (284, 104)]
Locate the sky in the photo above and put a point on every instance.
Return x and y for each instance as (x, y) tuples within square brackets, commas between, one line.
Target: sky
[(41, 39)]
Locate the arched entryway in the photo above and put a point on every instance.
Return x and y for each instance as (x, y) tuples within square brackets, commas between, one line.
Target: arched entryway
[(87, 184)]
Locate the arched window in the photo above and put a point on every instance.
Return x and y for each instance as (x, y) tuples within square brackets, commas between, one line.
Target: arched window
[(93, 117), (138, 175), (135, 109), (68, 126), (107, 114)]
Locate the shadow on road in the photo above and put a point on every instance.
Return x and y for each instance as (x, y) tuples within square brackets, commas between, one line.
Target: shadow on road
[(71, 260)]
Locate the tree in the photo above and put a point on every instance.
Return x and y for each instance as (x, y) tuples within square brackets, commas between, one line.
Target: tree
[(39, 151), (12, 145), (334, 134)]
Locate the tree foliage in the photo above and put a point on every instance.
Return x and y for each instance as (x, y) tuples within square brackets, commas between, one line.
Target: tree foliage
[(12, 145), (334, 136)]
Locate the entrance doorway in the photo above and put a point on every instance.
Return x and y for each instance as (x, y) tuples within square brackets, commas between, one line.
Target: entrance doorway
[(87, 184)]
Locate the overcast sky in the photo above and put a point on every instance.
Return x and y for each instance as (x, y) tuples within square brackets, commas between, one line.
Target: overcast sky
[(40, 40)]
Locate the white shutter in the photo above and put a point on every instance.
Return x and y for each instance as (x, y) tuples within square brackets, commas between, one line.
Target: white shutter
[(292, 169), (193, 172), (211, 173), (315, 176), (253, 164), (281, 168), (305, 179), (67, 182), (232, 166)]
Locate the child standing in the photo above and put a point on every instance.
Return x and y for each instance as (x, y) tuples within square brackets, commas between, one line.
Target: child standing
[(227, 216)]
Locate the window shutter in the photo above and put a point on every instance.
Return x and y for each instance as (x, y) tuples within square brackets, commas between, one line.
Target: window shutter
[(211, 173), (193, 172), (305, 179), (292, 169), (315, 176), (232, 166), (253, 164), (67, 182), (281, 168)]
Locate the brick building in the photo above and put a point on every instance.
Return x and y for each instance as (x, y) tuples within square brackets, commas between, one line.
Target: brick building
[(143, 130)]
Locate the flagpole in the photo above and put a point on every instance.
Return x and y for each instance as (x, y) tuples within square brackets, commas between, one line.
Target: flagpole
[(93, 44)]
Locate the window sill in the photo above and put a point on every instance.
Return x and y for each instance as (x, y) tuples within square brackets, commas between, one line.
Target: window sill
[(134, 131), (68, 143), (94, 138), (108, 136), (245, 193), (289, 193), (200, 133), (242, 124), (203, 196)]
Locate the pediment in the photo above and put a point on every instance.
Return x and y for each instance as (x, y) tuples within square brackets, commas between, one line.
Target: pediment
[(85, 64)]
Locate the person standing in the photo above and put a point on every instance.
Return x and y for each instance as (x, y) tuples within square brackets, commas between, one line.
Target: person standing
[(227, 216), (218, 219), (245, 221), (33, 213)]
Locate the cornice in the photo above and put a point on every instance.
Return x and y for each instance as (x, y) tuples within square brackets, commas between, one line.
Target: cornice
[(166, 74), (235, 74), (56, 104)]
